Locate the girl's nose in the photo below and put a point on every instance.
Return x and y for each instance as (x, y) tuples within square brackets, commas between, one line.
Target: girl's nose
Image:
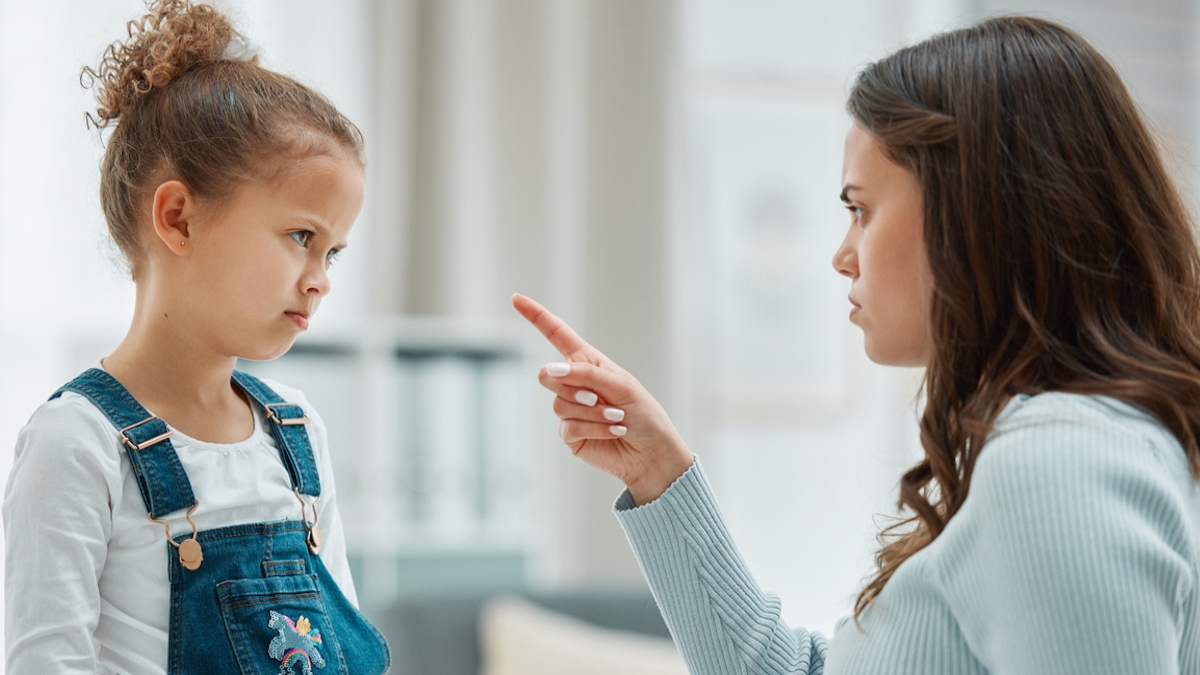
[(316, 282)]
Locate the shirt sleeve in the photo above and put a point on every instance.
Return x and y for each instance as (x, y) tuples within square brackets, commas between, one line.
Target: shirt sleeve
[(57, 523), (1072, 557), (720, 619)]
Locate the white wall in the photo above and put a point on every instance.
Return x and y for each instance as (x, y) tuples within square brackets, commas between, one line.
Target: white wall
[(56, 281)]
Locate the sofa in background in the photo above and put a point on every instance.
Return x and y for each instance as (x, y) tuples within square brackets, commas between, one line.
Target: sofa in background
[(440, 634)]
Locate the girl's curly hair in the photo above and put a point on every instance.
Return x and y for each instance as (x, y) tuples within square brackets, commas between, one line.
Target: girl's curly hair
[(186, 102), (174, 37)]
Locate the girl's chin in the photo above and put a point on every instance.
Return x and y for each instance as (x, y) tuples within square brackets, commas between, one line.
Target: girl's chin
[(267, 352)]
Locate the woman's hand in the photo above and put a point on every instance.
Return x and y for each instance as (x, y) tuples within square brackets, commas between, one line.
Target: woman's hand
[(608, 419)]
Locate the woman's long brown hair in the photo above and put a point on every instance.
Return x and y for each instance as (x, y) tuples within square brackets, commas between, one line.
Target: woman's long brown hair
[(1063, 256)]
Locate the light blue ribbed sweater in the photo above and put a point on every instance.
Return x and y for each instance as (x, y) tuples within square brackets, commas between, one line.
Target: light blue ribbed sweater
[(1076, 551)]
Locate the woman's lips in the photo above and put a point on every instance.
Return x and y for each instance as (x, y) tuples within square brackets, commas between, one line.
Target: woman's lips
[(855, 309), (299, 318)]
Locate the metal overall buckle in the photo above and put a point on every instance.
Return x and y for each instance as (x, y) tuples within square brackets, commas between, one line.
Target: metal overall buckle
[(190, 552), (284, 421), (314, 532), (144, 444)]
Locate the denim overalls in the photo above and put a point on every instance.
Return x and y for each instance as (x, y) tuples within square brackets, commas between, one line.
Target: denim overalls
[(282, 611)]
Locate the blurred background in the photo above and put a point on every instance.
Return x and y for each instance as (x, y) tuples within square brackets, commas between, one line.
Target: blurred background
[(663, 174)]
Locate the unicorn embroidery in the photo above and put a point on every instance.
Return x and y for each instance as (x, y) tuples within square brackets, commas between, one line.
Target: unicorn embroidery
[(296, 644)]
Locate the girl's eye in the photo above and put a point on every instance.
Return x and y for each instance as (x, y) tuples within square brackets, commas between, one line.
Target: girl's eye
[(332, 256), (855, 211), (301, 237)]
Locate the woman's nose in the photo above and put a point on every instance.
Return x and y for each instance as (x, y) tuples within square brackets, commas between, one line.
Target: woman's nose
[(845, 260)]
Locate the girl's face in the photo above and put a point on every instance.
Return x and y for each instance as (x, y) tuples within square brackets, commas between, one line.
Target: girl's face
[(884, 254), (255, 270)]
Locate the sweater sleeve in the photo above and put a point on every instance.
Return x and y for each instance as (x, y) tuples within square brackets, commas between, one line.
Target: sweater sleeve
[(720, 619), (1072, 548), (57, 522)]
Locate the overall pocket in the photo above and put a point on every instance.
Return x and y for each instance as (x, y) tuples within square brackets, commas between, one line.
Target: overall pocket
[(280, 625)]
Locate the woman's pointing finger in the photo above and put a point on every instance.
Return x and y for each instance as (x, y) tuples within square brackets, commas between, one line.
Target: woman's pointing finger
[(560, 335)]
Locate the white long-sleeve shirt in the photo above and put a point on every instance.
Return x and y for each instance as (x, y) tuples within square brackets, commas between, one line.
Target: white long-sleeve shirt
[(86, 587)]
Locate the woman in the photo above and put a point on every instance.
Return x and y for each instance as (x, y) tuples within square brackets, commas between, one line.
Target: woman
[(1013, 230)]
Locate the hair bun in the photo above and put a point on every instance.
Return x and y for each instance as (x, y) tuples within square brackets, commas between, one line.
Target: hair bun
[(173, 37)]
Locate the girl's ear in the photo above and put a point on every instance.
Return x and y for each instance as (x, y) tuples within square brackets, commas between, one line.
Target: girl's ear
[(173, 209)]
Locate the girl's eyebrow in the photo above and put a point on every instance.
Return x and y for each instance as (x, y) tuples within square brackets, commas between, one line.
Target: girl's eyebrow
[(845, 193), (321, 229)]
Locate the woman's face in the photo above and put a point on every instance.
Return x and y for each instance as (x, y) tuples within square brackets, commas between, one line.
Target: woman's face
[(884, 254)]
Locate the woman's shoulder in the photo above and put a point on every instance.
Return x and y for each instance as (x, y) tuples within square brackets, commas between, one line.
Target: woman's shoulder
[(1040, 432), (1079, 507), (1065, 407), (1068, 470)]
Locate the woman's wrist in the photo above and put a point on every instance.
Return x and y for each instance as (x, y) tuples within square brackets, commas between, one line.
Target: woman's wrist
[(652, 484)]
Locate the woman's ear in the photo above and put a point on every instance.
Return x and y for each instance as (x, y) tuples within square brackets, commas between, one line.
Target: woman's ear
[(173, 209)]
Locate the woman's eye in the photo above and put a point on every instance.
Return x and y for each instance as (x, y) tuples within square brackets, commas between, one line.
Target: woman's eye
[(332, 256), (855, 212), (301, 237)]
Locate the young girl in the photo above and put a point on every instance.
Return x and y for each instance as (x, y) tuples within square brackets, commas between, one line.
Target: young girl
[(1013, 230), (166, 513)]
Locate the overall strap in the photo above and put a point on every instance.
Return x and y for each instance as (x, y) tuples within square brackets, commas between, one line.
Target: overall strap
[(160, 476), (288, 422)]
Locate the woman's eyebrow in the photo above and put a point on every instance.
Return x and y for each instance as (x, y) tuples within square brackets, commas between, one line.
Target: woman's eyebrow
[(845, 193)]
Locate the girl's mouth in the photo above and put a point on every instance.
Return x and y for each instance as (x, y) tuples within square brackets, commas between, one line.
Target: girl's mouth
[(299, 318)]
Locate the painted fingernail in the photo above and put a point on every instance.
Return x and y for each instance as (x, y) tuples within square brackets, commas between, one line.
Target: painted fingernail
[(618, 430), (614, 414), (586, 397), (558, 369), (562, 429)]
